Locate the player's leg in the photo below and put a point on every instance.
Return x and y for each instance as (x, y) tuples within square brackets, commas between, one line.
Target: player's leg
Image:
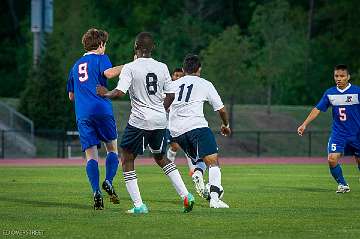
[(131, 145), (111, 165), (336, 148), (157, 145), (106, 131), (198, 179), (190, 165), (171, 153), (89, 143), (208, 151)]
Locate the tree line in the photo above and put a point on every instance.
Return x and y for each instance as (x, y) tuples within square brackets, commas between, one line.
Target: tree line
[(254, 51)]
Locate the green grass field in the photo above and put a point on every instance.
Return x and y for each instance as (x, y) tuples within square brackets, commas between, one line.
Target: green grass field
[(267, 201)]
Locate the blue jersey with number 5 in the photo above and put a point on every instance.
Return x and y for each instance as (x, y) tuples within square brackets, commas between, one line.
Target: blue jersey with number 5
[(88, 72), (345, 109)]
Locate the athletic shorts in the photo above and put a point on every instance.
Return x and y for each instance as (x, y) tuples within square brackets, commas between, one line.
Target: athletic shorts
[(136, 140), (348, 146), (94, 129), (197, 143)]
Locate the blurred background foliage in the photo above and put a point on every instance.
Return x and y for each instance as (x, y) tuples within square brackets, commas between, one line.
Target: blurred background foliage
[(254, 51)]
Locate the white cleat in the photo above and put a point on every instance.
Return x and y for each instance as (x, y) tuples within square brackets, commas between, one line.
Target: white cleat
[(218, 204), (343, 189), (198, 180)]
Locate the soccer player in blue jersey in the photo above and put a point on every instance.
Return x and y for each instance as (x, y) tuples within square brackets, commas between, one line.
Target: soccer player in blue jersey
[(344, 138), (94, 114)]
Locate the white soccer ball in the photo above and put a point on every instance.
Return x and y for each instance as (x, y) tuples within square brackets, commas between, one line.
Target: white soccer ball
[(207, 192)]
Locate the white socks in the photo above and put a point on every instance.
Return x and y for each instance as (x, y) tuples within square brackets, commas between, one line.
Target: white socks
[(171, 171), (133, 188)]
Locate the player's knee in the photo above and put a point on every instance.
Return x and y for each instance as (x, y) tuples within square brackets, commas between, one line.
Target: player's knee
[(211, 160), (332, 159)]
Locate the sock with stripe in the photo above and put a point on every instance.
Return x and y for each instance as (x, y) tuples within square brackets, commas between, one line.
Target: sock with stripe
[(132, 187), (111, 164), (92, 171), (173, 173), (215, 181), (337, 174)]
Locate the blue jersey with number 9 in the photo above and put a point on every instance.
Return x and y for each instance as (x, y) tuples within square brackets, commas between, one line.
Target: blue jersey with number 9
[(86, 73)]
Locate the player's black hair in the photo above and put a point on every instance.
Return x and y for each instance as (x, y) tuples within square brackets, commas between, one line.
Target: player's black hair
[(177, 69), (191, 64), (144, 42), (342, 67)]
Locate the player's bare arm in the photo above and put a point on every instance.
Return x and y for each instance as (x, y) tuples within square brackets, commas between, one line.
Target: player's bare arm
[(104, 92), (113, 72), (225, 127), (313, 115), (71, 96), (169, 98)]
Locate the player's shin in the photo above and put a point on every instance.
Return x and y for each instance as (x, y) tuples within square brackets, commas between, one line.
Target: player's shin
[(215, 181), (92, 171), (337, 174), (173, 173), (111, 164), (132, 187)]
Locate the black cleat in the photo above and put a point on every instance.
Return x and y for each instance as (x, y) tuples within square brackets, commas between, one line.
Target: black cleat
[(98, 201), (110, 190)]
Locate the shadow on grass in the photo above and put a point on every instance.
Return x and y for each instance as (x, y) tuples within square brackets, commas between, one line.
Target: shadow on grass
[(46, 204), (302, 189)]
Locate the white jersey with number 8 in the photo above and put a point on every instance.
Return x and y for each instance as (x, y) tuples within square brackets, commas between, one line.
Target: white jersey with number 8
[(147, 80), (186, 112)]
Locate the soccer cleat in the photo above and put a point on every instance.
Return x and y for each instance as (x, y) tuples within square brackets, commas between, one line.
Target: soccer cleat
[(110, 190), (198, 180), (343, 189), (138, 210), (98, 201), (189, 202), (218, 204)]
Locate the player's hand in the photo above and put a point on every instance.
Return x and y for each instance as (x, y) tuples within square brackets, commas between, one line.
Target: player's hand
[(225, 130), (101, 90), (301, 130)]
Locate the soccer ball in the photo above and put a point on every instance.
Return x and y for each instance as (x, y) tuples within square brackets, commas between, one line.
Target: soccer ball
[(207, 192)]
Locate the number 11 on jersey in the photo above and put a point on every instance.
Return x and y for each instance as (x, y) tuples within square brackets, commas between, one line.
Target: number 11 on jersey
[(189, 89)]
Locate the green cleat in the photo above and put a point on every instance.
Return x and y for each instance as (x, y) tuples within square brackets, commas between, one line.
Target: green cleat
[(189, 202), (138, 210)]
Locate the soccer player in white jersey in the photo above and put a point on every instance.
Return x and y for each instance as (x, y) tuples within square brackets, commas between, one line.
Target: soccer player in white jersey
[(173, 147), (189, 128), (146, 80), (345, 133)]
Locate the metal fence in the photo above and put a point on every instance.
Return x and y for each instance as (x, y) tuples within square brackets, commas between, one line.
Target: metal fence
[(64, 144)]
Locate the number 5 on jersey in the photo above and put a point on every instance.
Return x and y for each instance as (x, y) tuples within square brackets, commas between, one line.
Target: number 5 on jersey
[(342, 114)]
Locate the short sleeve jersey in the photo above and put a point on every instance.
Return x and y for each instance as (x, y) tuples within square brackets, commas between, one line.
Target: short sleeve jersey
[(86, 73), (345, 109), (147, 80), (186, 112)]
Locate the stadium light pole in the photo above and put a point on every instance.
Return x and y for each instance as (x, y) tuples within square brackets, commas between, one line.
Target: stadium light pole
[(41, 22)]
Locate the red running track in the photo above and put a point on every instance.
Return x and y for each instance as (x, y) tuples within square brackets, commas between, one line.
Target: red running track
[(179, 161)]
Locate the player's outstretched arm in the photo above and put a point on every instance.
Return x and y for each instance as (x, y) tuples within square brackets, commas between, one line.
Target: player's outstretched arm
[(313, 115), (113, 72), (169, 98), (225, 127), (103, 92)]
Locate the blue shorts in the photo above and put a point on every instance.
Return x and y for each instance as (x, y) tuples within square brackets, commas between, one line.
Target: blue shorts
[(94, 129), (197, 143), (169, 139), (136, 140), (348, 146)]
